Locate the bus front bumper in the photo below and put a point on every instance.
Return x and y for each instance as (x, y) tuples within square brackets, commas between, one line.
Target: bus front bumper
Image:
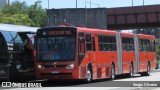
[(57, 74)]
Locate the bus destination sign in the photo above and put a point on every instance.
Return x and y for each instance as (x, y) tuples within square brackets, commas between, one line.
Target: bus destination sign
[(60, 32)]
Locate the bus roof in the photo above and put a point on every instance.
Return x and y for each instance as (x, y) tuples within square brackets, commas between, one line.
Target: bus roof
[(84, 29), (17, 28), (100, 31)]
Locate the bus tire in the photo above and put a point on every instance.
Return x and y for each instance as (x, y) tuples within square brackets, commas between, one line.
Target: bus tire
[(112, 77), (131, 71), (147, 73), (89, 75)]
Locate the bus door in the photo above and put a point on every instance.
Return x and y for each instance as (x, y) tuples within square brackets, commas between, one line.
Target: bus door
[(153, 52), (4, 58), (143, 54), (94, 57), (128, 53), (3, 50), (94, 49), (28, 47), (90, 47), (90, 51)]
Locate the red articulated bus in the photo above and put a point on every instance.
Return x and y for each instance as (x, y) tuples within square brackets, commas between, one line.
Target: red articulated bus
[(86, 53)]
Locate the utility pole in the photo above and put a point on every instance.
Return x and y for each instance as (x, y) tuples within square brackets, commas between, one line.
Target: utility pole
[(143, 2), (132, 3)]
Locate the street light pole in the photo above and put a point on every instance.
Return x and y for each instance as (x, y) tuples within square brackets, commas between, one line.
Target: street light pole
[(76, 3), (143, 2), (8, 2), (85, 4), (132, 3), (48, 4), (90, 3), (93, 4)]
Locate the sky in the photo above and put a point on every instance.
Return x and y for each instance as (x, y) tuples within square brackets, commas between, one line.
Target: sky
[(81, 3)]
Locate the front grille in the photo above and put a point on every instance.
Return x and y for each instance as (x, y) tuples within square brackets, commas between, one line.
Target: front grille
[(55, 74), (54, 66)]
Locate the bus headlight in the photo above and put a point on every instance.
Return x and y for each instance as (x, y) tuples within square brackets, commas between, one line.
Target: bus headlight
[(71, 66), (40, 67)]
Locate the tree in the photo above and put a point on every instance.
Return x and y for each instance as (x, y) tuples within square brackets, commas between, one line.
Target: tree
[(149, 31), (21, 14), (15, 8), (37, 14), (18, 19)]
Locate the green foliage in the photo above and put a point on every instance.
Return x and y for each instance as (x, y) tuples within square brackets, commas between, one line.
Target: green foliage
[(158, 48), (21, 14), (18, 19), (37, 14), (15, 8), (152, 31), (149, 31)]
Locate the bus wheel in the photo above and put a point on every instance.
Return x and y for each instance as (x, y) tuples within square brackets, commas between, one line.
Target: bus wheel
[(131, 71), (147, 73), (112, 72), (89, 75)]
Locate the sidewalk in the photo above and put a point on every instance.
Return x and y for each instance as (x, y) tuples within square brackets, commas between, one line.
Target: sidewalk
[(158, 88), (157, 70)]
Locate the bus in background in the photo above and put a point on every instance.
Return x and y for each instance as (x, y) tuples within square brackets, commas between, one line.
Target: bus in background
[(90, 54), (16, 51)]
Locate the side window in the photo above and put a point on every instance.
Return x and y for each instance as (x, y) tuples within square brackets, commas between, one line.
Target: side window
[(88, 42), (31, 40), (81, 43), (107, 43), (148, 45), (93, 43), (145, 45), (18, 45), (153, 45), (128, 44), (100, 42), (16, 37), (7, 36), (141, 45)]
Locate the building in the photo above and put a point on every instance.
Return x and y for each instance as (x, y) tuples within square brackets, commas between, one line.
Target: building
[(90, 17), (3, 3)]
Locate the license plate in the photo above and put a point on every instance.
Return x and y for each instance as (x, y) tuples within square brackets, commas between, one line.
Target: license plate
[(55, 72)]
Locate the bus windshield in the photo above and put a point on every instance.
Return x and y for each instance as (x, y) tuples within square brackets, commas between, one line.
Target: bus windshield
[(56, 48)]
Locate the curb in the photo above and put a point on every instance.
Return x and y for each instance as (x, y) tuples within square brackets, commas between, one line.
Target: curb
[(156, 70)]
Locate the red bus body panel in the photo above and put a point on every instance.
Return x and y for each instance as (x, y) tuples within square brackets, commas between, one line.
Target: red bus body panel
[(101, 61)]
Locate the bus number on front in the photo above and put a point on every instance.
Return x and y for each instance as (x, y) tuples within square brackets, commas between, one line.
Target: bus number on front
[(59, 33)]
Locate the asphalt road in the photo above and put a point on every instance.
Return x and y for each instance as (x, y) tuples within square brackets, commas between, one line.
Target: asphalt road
[(138, 82)]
